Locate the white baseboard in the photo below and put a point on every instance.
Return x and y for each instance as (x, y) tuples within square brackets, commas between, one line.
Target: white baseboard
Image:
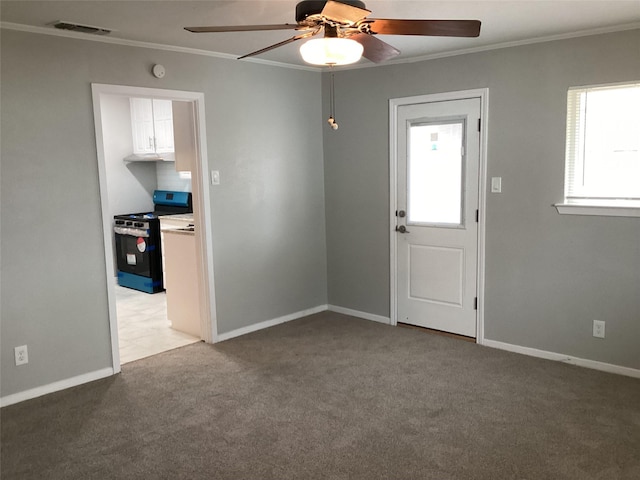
[(55, 387), (359, 314), (580, 362), (270, 323), (294, 316)]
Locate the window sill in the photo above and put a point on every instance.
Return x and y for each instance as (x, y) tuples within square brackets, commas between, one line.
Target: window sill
[(602, 208)]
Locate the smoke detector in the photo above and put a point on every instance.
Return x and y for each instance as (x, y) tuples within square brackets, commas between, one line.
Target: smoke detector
[(63, 25)]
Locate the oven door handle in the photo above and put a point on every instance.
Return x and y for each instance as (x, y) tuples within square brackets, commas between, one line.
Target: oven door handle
[(132, 232)]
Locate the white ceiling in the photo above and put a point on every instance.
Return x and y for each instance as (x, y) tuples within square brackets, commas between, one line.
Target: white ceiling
[(162, 22)]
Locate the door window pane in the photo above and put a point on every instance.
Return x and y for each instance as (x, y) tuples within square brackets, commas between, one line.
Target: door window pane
[(435, 173)]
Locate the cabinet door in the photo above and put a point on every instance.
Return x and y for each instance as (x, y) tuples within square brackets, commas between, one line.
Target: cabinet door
[(163, 125), (142, 125)]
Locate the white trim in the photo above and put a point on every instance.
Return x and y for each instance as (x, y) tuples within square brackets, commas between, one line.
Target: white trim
[(359, 314), (203, 235), (155, 46), (393, 207), (598, 210), (482, 207), (107, 229), (208, 313), (55, 386), (559, 357), (394, 104), (270, 323)]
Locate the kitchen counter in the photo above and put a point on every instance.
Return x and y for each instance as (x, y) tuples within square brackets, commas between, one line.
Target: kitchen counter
[(178, 216), (180, 220), (181, 280), (172, 222), (182, 231)]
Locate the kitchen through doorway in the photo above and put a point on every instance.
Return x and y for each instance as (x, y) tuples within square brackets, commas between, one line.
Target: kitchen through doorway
[(138, 189)]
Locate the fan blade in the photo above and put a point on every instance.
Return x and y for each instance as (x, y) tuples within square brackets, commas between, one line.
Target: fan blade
[(242, 28), (343, 13), (276, 45), (375, 49), (436, 28)]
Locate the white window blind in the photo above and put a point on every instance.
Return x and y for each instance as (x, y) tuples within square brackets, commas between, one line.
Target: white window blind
[(603, 143)]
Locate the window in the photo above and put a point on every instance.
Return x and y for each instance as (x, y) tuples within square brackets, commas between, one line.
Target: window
[(436, 173), (602, 165)]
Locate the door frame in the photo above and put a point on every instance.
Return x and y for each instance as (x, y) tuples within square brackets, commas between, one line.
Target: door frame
[(202, 198), (394, 105)]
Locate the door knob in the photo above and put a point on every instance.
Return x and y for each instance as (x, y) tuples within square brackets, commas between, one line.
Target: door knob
[(402, 213), (401, 229)]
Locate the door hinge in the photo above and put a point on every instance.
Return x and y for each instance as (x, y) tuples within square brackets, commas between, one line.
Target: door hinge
[(479, 124), (477, 216), (475, 303)]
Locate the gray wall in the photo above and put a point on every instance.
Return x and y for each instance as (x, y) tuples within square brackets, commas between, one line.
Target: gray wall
[(263, 127), (547, 276), (168, 178)]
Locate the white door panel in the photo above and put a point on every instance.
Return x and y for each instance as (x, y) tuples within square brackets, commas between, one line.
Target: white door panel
[(435, 274), (437, 198)]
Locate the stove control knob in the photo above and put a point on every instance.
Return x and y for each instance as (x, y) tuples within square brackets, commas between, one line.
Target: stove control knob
[(138, 224), (129, 224), (119, 222)]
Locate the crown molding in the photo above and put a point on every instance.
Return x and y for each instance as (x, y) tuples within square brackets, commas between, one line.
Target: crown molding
[(497, 46), (155, 46)]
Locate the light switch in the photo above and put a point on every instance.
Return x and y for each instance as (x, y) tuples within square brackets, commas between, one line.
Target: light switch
[(496, 184), (215, 177)]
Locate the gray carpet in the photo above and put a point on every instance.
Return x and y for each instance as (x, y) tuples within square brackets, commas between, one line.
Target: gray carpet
[(332, 397)]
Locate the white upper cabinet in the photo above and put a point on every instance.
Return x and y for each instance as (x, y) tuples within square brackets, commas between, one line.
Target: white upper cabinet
[(152, 126), (163, 125)]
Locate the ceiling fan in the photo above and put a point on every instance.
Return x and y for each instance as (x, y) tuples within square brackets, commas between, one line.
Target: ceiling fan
[(348, 33)]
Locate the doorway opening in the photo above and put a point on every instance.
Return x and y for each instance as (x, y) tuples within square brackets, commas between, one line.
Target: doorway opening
[(132, 181), (437, 200)]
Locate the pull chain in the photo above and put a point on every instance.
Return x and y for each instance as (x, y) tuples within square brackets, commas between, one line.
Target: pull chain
[(332, 105)]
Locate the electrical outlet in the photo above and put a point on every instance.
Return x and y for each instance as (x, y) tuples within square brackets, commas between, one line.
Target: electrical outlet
[(22, 355), (598, 328)]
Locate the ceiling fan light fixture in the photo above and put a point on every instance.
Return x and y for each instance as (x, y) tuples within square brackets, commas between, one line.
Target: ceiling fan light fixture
[(331, 51)]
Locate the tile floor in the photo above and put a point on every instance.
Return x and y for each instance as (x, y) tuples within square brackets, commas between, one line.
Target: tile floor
[(143, 328)]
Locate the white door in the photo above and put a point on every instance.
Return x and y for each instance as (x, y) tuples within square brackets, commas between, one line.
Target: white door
[(438, 147)]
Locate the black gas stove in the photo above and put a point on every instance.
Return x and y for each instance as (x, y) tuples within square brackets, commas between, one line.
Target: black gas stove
[(138, 248)]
